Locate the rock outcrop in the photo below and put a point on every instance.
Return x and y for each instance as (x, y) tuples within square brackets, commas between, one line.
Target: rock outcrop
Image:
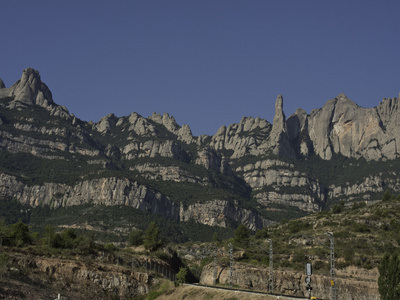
[(102, 275), (246, 172), (342, 127), (31, 90), (351, 282), (278, 137)]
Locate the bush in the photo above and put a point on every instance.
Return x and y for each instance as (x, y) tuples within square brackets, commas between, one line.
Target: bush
[(362, 228), (262, 233), (64, 240), (162, 255), (299, 257), (348, 254), (295, 226), (320, 265), (181, 275), (357, 205), (136, 237), (110, 247), (338, 208)]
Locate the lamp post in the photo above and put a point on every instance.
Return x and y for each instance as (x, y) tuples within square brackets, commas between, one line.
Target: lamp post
[(271, 265), (332, 259)]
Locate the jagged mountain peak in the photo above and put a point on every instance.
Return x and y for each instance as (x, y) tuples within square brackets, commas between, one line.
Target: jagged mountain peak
[(152, 163), (2, 85), (31, 90), (342, 99)]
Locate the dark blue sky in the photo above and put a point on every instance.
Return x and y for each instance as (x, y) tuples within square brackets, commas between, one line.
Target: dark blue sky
[(207, 63)]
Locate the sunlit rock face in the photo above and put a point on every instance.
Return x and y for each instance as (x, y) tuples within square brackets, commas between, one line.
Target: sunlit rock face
[(245, 173)]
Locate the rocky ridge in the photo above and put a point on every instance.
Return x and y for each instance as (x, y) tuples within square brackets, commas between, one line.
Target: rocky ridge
[(254, 168)]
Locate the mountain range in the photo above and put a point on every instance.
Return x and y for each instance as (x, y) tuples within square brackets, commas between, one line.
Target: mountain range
[(251, 172)]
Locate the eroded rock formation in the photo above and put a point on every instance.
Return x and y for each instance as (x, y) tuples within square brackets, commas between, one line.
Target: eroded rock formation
[(253, 168)]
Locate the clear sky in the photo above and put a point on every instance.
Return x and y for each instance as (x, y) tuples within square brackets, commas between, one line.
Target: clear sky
[(205, 62)]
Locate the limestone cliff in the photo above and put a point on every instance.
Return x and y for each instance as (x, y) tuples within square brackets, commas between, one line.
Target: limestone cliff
[(252, 172)]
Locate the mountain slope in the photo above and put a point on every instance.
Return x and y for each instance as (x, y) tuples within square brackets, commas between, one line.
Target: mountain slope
[(252, 172)]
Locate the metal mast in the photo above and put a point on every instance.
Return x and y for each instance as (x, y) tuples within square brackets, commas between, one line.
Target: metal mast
[(332, 259), (215, 267), (230, 264), (333, 281), (271, 268)]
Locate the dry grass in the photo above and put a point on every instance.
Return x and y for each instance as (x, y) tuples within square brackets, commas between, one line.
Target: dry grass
[(200, 293)]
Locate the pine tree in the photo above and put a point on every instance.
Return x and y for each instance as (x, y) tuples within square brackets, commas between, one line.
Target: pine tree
[(242, 236), (389, 277), (151, 239)]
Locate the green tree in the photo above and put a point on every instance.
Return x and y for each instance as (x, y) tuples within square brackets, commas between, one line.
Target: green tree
[(86, 244), (338, 208), (57, 241), (4, 233), (152, 239), (49, 235), (181, 275), (53, 239), (262, 233), (241, 236), (389, 277), (69, 238), (20, 234), (215, 238), (386, 196), (136, 237), (3, 262)]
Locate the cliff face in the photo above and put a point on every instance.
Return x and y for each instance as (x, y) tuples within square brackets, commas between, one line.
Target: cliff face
[(351, 283), (104, 275), (252, 172)]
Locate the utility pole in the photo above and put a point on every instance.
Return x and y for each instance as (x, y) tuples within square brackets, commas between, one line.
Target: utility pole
[(215, 267), (333, 279), (271, 268), (332, 259), (230, 263)]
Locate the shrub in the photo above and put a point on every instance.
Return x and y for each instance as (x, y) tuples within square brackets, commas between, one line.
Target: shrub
[(181, 275), (320, 265), (299, 257), (295, 226), (136, 237), (362, 228), (357, 205), (110, 247), (262, 233)]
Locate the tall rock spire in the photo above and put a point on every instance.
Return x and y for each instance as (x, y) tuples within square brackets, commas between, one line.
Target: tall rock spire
[(278, 139), (278, 124)]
